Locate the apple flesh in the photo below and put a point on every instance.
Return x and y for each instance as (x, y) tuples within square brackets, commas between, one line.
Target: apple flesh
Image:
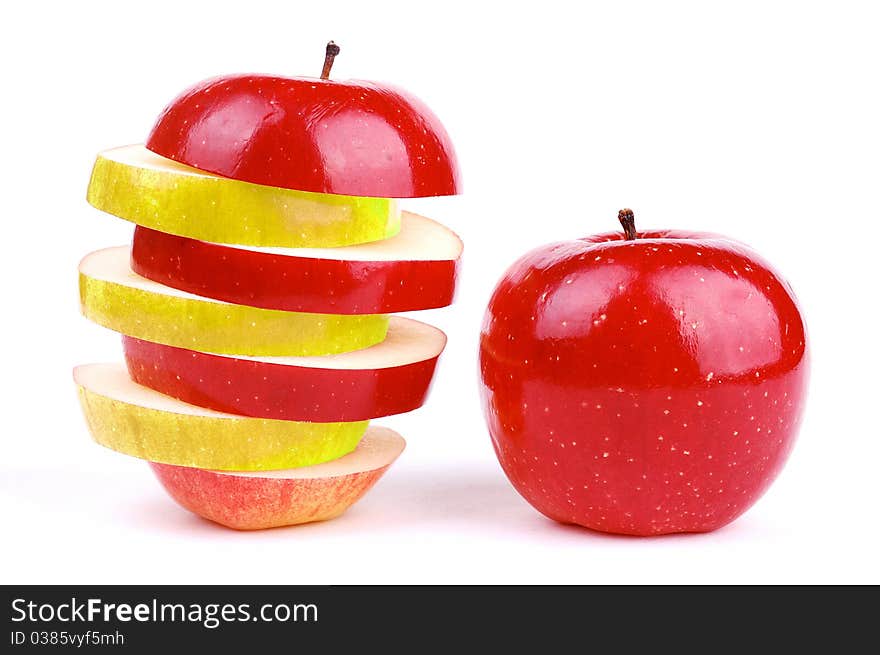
[(114, 296), (137, 421), (255, 501), (391, 377), (414, 270), (643, 386), (354, 138), (142, 187)]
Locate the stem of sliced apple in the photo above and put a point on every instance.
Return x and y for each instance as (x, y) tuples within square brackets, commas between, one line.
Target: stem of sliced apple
[(329, 56), (628, 221)]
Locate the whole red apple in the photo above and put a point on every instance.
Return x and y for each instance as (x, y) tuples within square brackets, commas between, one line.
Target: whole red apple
[(351, 137), (643, 383)]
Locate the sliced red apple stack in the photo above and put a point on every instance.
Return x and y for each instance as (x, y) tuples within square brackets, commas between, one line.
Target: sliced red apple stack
[(268, 251)]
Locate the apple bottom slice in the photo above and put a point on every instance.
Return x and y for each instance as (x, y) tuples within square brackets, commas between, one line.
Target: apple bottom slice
[(271, 499), (140, 422), (112, 295), (391, 377), (414, 270), (140, 186)]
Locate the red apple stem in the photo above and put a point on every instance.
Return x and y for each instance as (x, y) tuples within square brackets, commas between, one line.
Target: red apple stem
[(329, 56), (628, 221)]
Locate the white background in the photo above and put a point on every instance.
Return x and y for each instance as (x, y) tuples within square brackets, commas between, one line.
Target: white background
[(758, 120)]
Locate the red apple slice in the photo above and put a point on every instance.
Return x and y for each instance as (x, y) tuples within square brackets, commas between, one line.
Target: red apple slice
[(112, 295), (271, 499), (414, 270), (391, 377), (137, 421)]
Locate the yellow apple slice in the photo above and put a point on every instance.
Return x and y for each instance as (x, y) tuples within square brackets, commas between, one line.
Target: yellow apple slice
[(143, 423), (112, 295), (270, 499), (142, 187)]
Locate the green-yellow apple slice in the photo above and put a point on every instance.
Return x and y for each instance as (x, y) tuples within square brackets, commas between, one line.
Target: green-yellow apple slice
[(270, 499), (140, 186), (140, 422), (112, 295)]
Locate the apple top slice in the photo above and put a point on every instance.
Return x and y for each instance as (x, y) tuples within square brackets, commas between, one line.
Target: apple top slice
[(378, 448), (354, 137)]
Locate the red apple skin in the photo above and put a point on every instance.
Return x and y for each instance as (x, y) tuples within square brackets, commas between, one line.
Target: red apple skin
[(278, 391), (353, 137), (296, 284), (255, 503), (643, 387)]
